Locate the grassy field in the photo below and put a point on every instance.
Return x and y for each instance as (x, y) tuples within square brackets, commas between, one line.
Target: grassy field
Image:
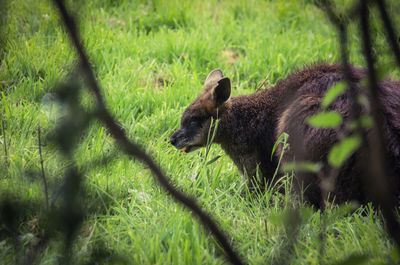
[(151, 58)]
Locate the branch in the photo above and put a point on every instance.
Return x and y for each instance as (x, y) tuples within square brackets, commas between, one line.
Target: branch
[(390, 34), (42, 168), (133, 149), (378, 176), (3, 131)]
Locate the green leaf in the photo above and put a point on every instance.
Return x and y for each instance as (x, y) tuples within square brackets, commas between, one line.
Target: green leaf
[(332, 93), (305, 166), (276, 219), (365, 122), (395, 255), (341, 151), (326, 119), (383, 69), (354, 259), (344, 209)]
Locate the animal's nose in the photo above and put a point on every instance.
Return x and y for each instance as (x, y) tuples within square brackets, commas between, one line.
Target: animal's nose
[(172, 140)]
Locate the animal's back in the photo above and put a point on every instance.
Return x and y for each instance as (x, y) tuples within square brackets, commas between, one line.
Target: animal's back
[(303, 92)]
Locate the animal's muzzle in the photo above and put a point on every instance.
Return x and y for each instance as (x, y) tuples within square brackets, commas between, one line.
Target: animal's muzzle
[(174, 140)]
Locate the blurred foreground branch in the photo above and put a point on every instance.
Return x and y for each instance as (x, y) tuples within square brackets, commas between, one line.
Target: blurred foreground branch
[(376, 175), (131, 148)]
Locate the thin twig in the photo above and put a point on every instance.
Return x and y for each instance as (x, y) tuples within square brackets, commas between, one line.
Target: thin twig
[(376, 178), (341, 25), (378, 174), (3, 131), (322, 237), (42, 168), (390, 34), (133, 149)]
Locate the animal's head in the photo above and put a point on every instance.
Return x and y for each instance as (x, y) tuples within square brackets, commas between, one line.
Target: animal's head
[(196, 120)]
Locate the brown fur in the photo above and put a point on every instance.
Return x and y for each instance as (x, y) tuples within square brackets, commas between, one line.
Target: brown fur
[(249, 126)]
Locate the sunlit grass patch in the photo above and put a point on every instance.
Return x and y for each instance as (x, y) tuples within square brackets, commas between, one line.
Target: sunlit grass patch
[(150, 59)]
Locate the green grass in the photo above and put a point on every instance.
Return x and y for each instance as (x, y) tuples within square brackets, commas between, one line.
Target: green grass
[(151, 58)]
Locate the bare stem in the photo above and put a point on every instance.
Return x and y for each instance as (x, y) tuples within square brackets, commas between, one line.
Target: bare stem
[(42, 168), (381, 192), (3, 131), (390, 33), (131, 148)]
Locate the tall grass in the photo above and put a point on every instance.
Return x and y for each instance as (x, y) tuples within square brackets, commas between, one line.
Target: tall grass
[(151, 58)]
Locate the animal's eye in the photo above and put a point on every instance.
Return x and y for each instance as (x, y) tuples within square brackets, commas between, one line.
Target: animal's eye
[(196, 121)]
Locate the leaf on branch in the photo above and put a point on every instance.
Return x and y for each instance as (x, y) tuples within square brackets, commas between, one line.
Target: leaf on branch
[(365, 122), (395, 255), (326, 119), (354, 259), (332, 93), (342, 150), (305, 166)]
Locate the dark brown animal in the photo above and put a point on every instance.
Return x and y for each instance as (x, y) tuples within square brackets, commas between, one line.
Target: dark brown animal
[(249, 126)]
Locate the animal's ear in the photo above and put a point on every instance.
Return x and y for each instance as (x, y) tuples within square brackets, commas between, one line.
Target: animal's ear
[(222, 91), (214, 76)]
